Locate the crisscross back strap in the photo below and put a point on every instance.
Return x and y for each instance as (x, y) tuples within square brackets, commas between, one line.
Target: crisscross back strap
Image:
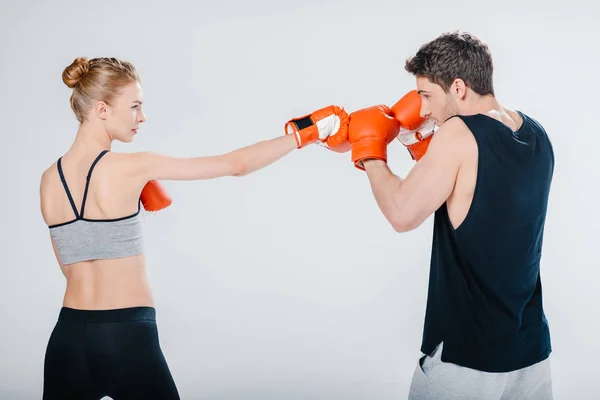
[(64, 182), (87, 179)]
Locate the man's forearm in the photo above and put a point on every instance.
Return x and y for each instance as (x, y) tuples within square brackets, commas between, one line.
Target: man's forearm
[(385, 185)]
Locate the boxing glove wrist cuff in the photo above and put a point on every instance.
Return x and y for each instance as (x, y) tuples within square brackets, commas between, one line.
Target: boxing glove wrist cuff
[(308, 136), (368, 149), (304, 130)]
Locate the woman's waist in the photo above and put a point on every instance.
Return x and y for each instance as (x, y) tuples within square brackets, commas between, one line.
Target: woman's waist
[(107, 284), (108, 298)]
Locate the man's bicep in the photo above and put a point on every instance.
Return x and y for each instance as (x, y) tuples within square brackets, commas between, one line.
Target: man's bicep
[(431, 181)]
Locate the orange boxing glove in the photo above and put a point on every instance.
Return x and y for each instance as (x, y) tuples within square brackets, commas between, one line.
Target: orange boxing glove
[(338, 141), (154, 197), (415, 131), (328, 126), (370, 131), (417, 140)]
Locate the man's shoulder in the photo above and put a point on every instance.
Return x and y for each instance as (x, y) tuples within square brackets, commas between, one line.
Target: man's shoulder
[(454, 131), (454, 139)]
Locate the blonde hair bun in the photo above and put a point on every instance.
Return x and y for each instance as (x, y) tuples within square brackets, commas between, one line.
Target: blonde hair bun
[(74, 72)]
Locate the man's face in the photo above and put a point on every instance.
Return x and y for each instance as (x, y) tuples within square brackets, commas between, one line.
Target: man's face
[(436, 104)]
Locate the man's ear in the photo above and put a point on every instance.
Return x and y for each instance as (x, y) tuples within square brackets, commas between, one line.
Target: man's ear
[(458, 88)]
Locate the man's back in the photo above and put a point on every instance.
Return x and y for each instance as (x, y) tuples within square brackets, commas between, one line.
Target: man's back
[(485, 299)]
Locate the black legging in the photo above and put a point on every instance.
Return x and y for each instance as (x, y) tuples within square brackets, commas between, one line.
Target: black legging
[(116, 353)]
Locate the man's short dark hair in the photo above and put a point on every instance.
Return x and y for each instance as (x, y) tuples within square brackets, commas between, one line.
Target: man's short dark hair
[(455, 55)]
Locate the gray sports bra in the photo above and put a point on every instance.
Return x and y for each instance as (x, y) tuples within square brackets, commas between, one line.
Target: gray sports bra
[(84, 239)]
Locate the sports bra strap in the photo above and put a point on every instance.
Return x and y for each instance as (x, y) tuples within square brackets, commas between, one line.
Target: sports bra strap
[(87, 179), (87, 184), (64, 182)]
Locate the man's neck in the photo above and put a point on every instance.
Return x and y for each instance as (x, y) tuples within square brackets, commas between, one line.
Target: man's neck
[(482, 105)]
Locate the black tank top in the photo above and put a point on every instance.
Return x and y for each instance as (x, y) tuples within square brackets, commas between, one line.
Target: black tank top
[(485, 292)]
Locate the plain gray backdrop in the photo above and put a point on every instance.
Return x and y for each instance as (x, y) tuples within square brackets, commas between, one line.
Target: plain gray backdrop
[(288, 283)]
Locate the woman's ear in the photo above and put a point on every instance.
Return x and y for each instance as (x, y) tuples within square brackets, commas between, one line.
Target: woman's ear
[(101, 110)]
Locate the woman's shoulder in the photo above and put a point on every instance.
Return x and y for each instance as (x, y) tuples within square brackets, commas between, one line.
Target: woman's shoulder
[(129, 158), (48, 180), (124, 164), (49, 175)]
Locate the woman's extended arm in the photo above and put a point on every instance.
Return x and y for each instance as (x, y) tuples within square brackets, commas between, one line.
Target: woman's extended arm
[(239, 162)]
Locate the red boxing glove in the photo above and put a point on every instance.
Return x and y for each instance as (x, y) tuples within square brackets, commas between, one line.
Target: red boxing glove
[(371, 130), (330, 122), (415, 131), (154, 197)]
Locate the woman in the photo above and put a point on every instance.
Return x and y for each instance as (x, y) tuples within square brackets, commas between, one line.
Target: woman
[(105, 342)]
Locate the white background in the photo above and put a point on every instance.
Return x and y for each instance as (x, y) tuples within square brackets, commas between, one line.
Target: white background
[(288, 283)]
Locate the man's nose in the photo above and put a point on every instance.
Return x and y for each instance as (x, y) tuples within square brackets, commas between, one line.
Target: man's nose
[(424, 112)]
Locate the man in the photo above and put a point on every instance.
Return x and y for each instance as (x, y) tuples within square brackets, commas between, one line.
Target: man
[(486, 176)]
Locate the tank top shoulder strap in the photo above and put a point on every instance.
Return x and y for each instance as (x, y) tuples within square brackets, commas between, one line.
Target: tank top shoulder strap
[(450, 117)]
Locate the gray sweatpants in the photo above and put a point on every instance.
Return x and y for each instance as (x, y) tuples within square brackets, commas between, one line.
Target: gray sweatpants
[(434, 379)]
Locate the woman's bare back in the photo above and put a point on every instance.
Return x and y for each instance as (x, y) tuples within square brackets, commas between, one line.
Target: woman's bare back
[(102, 283)]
